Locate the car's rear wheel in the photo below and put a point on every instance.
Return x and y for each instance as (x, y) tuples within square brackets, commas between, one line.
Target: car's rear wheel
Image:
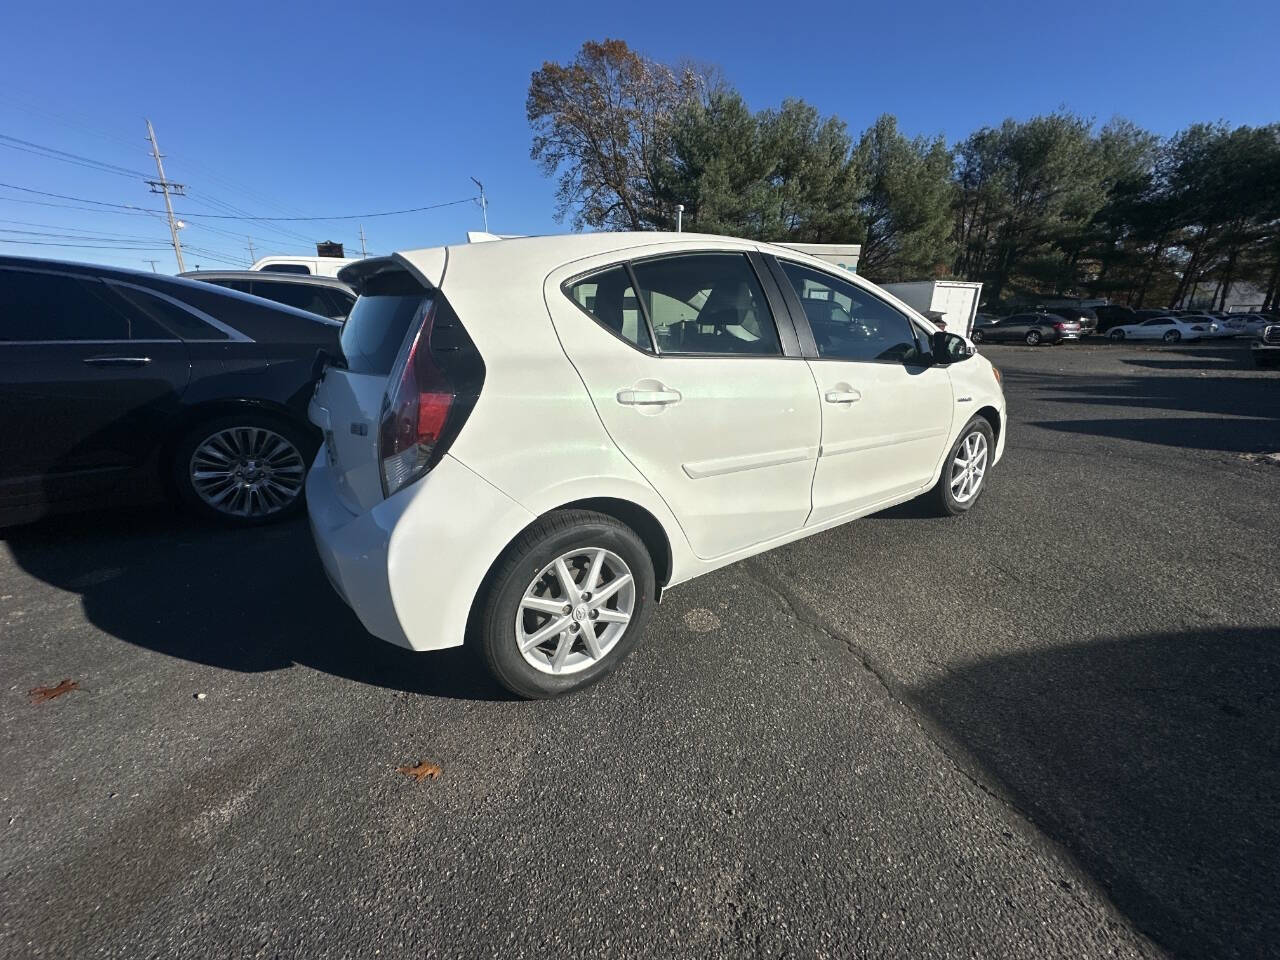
[(1173, 336), (1117, 334), (1033, 337), (243, 469), (565, 604), (964, 473)]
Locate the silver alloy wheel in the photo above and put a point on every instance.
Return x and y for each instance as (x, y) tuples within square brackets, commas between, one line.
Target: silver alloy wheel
[(247, 471), (575, 611), (969, 467)]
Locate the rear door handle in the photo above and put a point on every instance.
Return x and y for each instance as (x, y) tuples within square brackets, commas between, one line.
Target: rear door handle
[(645, 398), (843, 396), (117, 361)]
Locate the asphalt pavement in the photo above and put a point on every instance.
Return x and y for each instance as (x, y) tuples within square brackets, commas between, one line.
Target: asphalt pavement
[(1047, 729)]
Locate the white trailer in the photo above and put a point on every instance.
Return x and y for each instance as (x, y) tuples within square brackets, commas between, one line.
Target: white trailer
[(955, 300)]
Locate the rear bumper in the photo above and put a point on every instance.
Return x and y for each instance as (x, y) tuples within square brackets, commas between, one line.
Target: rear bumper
[(411, 566)]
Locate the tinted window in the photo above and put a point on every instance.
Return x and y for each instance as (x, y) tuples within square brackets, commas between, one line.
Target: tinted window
[(848, 323), (300, 295), (286, 268), (178, 321), (374, 331), (608, 297), (709, 303), (242, 285), (45, 306)]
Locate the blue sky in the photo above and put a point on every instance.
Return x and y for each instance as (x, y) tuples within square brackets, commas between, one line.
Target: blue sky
[(324, 108)]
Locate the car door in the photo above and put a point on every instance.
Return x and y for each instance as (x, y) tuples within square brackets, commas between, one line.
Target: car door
[(886, 410), (87, 385), (1011, 328), (698, 387), (1154, 329)]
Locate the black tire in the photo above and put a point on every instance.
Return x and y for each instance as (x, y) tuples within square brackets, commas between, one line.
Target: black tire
[(552, 537), (1116, 334), (1033, 338), (941, 498), (976, 336), (1173, 336), (275, 507)]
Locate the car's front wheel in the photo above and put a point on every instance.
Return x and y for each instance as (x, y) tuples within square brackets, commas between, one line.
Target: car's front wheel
[(964, 473), (1173, 336), (1033, 337), (242, 469), (566, 603), (1117, 334)]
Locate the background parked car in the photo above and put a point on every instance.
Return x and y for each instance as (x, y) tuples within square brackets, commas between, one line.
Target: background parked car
[(1085, 316), (118, 384), (325, 296), (1266, 349), (1029, 328), (1166, 328), (1113, 315)]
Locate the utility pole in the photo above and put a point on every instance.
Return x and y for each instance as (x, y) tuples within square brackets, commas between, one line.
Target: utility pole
[(252, 256), (153, 264), (363, 251), (165, 186), (484, 206)]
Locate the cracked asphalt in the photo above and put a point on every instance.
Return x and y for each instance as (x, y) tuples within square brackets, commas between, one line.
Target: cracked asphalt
[(1047, 729)]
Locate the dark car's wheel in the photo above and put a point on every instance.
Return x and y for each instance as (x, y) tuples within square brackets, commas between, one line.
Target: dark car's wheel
[(976, 337), (1116, 334), (243, 469), (565, 604), (1173, 336), (1033, 337), (964, 473)]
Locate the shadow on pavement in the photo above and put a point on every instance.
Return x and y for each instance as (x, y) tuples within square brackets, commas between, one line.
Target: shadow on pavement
[(247, 600), (1156, 761), (1235, 435)]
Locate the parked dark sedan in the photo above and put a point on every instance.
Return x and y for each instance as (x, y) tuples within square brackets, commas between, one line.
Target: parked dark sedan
[(116, 384), (1030, 328)]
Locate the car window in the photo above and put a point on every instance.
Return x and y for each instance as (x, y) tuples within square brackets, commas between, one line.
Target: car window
[(45, 306), (608, 297), (707, 303), (243, 286), (1158, 323), (302, 296), (376, 328), (286, 268), (180, 322), (848, 323)]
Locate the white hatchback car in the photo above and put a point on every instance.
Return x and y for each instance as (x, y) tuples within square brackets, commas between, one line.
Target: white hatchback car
[(527, 441)]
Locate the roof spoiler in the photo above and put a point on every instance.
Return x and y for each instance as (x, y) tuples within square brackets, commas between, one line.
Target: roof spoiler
[(429, 271)]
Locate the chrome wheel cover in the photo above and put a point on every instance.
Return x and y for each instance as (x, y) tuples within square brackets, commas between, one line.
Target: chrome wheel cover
[(575, 611), (248, 472), (969, 467)]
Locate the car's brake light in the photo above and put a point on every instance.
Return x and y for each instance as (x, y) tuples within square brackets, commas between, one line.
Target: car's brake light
[(414, 412), (1059, 326)]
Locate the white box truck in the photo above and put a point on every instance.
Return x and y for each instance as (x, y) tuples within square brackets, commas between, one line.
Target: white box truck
[(956, 300)]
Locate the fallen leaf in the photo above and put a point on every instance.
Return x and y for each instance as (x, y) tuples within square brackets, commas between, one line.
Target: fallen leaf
[(41, 694), (421, 771)]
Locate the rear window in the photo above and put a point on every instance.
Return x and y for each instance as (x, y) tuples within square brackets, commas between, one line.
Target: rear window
[(286, 268), (376, 328)]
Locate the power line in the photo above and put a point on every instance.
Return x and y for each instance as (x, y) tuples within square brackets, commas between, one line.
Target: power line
[(26, 146), (220, 216)]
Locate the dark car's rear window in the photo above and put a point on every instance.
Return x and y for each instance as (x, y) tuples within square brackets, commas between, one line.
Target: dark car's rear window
[(376, 328)]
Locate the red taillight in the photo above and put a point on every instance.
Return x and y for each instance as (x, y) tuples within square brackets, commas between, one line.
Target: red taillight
[(414, 412), (1059, 326)]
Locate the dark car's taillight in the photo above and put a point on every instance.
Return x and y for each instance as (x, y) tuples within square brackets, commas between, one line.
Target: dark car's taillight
[(428, 398), (1059, 326)]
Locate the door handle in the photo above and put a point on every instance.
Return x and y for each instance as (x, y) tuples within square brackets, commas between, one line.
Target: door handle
[(117, 361), (647, 398), (843, 396)]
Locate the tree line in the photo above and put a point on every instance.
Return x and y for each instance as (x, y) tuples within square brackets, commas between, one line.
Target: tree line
[(1053, 205)]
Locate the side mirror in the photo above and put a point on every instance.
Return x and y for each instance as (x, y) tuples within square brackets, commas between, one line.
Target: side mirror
[(950, 348)]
